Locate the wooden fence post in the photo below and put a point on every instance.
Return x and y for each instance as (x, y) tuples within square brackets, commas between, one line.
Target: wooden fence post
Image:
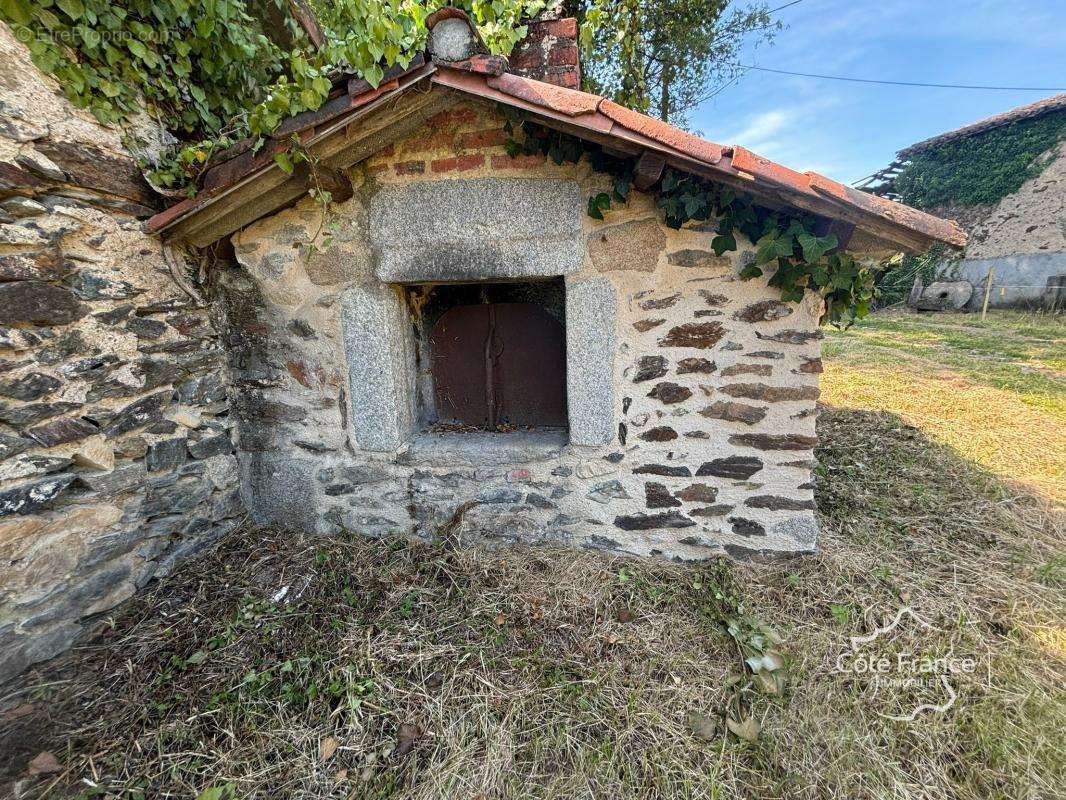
[(988, 291)]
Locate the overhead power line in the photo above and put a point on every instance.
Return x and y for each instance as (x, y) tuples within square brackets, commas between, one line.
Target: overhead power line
[(907, 83)]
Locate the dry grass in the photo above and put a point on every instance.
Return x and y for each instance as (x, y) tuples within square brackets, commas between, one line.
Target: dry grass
[(994, 390), (545, 674)]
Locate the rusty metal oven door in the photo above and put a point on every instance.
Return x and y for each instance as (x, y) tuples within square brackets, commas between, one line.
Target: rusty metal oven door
[(500, 364)]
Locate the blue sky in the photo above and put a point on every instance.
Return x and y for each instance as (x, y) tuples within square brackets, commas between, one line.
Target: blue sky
[(848, 130)]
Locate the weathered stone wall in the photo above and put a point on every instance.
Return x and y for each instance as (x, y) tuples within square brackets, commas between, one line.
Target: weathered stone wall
[(115, 455), (708, 427), (1023, 237)]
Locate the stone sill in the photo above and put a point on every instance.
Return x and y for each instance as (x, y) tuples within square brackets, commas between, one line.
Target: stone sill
[(484, 448)]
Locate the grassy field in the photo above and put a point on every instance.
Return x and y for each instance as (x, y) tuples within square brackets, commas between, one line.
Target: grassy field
[(994, 390), (408, 670)]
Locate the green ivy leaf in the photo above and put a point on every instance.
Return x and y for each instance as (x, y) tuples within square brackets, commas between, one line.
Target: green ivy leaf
[(284, 161), (598, 204), (74, 9), (815, 247), (723, 242), (766, 247), (17, 11)]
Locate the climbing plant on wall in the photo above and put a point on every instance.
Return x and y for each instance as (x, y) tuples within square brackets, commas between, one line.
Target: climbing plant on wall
[(217, 70), (984, 168), (788, 247)]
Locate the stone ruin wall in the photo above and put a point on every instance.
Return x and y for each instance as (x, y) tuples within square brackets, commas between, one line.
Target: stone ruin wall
[(714, 382), (115, 453), (1023, 236), (1030, 221)]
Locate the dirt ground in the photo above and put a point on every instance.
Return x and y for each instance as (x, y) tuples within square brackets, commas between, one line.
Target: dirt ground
[(284, 666)]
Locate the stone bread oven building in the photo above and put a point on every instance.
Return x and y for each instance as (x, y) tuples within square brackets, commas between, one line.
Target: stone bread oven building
[(454, 343), (472, 346)]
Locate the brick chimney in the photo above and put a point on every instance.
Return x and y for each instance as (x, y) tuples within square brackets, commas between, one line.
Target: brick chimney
[(549, 53)]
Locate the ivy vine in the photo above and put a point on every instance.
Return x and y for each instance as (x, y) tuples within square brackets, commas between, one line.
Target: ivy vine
[(215, 71), (787, 246), (984, 168)]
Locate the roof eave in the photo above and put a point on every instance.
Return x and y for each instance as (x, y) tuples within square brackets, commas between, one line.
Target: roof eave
[(341, 141)]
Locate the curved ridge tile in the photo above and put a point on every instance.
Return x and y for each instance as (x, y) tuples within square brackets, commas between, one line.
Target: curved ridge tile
[(682, 141), (570, 102), (926, 224)]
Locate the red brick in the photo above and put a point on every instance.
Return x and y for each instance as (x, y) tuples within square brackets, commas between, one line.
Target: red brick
[(451, 117), (425, 143), (529, 59), (489, 138), (563, 56), (409, 167), (458, 163), (563, 28), (518, 162), (568, 79)]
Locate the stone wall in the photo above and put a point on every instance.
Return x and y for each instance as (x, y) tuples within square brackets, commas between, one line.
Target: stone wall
[(697, 439), (115, 455), (1023, 237)]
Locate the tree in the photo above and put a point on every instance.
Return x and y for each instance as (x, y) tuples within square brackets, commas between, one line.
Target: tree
[(665, 57)]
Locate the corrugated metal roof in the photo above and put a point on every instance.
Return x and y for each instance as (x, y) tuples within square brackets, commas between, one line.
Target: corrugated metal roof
[(599, 119)]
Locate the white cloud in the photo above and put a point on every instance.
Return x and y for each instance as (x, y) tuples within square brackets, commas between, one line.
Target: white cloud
[(761, 130)]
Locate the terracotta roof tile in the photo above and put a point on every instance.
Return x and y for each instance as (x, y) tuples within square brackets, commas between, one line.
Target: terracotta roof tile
[(767, 170), (943, 230), (180, 209), (682, 141), (570, 102), (599, 116)]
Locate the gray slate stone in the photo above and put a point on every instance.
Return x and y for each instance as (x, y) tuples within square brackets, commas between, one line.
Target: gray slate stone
[(13, 445), (607, 491), (30, 497), (646, 522), (31, 386), (211, 446), (138, 414), (68, 429), (166, 454), (736, 467), (89, 285), (746, 527), (119, 480), (664, 470), (38, 303)]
